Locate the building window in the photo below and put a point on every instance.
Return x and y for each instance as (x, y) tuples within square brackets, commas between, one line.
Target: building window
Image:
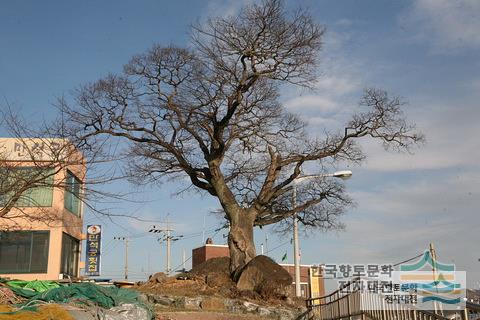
[(72, 194), (37, 181), (24, 252), (70, 255)]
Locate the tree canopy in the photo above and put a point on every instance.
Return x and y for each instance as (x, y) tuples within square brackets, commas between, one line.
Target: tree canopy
[(212, 112)]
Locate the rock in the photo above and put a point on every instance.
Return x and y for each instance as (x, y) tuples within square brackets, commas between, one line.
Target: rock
[(232, 305), (273, 313), (265, 277), (250, 307), (237, 309), (158, 277), (162, 300), (188, 303), (143, 298), (127, 311), (264, 311), (212, 304), (284, 314)]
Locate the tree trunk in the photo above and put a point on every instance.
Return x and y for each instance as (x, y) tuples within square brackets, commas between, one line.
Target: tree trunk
[(240, 236), (240, 242)]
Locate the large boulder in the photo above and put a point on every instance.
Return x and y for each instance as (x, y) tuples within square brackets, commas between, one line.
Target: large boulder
[(266, 277), (158, 277)]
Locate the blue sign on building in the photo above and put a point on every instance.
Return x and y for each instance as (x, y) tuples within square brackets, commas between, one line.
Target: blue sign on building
[(94, 236)]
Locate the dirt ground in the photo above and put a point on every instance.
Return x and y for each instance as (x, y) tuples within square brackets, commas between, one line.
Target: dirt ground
[(205, 316)]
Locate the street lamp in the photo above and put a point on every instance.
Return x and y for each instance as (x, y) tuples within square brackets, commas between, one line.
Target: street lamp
[(344, 175)]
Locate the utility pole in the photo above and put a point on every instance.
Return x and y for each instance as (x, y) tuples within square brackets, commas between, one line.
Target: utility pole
[(344, 175), (296, 246), (169, 249), (168, 238), (433, 255), (125, 241), (203, 232), (434, 259), (434, 262), (183, 261), (266, 243)]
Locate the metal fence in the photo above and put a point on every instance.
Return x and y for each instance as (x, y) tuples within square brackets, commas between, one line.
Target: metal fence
[(350, 303)]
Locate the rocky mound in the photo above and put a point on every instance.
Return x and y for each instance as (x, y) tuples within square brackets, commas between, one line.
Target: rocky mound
[(215, 272), (215, 265), (266, 277), (261, 280)]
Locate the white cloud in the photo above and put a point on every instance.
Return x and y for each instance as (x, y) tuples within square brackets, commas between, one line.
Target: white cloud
[(307, 103), (338, 83), (344, 23), (336, 90), (397, 220), (448, 25), (451, 133)]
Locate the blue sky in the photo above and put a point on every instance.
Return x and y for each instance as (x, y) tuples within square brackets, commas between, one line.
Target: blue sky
[(423, 50)]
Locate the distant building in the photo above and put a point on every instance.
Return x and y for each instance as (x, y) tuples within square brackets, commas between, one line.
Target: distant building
[(311, 278), (42, 249), (209, 251), (473, 296)]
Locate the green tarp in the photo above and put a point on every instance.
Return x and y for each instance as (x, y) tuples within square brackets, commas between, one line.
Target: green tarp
[(85, 293), (29, 289), (105, 297)]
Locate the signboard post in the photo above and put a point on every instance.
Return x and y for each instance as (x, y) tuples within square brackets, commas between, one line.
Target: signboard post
[(94, 235)]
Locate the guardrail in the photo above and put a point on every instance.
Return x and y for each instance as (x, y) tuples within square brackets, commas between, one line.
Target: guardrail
[(350, 303)]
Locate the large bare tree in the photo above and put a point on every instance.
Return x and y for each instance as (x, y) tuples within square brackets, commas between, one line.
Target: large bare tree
[(211, 113)]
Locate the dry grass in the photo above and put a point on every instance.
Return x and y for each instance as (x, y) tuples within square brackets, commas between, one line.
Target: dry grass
[(44, 312)]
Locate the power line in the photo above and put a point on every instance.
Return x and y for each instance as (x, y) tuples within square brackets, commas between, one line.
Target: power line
[(182, 263), (408, 260), (275, 248), (111, 248)]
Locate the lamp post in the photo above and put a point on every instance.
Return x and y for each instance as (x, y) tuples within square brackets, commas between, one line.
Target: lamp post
[(344, 175)]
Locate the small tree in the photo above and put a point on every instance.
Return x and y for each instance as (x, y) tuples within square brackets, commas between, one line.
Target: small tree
[(34, 160), (31, 168), (212, 113)]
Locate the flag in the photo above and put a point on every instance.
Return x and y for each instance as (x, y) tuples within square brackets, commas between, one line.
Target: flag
[(284, 258)]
